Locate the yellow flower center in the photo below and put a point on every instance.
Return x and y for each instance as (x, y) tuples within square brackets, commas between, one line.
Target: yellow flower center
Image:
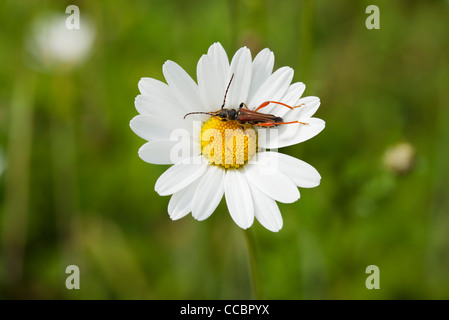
[(228, 143)]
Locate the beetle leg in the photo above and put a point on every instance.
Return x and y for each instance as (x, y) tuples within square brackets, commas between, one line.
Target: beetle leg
[(243, 105), (274, 124), (303, 123), (265, 124), (266, 103)]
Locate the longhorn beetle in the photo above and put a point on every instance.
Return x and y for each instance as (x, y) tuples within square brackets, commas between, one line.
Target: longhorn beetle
[(244, 115)]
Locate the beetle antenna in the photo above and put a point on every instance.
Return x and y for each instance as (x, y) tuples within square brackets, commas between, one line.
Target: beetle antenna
[(198, 112), (226, 92)]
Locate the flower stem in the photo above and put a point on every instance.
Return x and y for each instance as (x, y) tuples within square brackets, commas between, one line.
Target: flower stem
[(253, 270), (17, 179)]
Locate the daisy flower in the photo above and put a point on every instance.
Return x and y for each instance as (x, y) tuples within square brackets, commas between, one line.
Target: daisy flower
[(182, 123)]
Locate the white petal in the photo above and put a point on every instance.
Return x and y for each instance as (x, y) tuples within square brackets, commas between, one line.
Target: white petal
[(265, 174), (151, 127), (180, 175), (150, 86), (262, 68), (290, 134), (272, 89), (293, 94), (219, 58), (208, 83), (238, 198), (209, 193), (290, 98), (181, 202), (158, 128), (300, 172), (241, 67), (156, 88), (308, 107), (266, 210), (299, 133), (213, 77), (155, 105), (160, 151), (182, 86)]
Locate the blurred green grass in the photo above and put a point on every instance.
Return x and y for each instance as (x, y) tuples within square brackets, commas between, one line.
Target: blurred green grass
[(74, 190)]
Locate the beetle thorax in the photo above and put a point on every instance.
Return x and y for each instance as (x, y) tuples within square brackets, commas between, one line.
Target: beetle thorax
[(229, 114)]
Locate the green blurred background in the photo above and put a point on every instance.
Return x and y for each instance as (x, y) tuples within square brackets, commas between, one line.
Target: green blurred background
[(73, 190)]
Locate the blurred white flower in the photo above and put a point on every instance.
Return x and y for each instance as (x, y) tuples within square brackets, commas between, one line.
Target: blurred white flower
[(400, 158), (55, 48), (251, 178)]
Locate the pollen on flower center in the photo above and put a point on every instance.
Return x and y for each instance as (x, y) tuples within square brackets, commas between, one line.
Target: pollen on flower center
[(228, 144)]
